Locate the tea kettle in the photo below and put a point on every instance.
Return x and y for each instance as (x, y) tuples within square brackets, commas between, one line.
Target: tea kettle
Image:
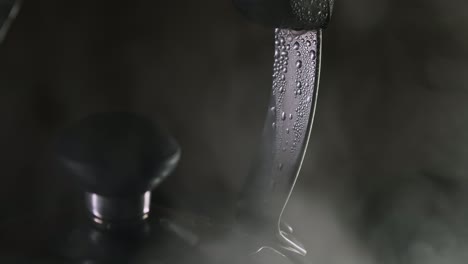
[(120, 158)]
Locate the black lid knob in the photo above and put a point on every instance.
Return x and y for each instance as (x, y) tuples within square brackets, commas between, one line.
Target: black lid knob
[(118, 158)]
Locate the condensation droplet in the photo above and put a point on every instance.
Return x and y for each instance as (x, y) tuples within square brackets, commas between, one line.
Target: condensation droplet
[(296, 45), (312, 54), (290, 116), (283, 116), (298, 64), (298, 84), (277, 53), (280, 166), (308, 43)]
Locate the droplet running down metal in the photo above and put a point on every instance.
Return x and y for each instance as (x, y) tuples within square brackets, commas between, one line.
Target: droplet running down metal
[(285, 135)]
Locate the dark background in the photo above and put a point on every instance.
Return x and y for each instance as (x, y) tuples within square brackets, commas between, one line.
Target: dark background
[(385, 176)]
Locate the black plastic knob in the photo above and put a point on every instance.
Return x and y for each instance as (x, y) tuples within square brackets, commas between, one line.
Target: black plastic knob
[(118, 158), (292, 14)]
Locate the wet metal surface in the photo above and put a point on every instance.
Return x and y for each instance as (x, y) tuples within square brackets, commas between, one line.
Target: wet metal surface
[(286, 132)]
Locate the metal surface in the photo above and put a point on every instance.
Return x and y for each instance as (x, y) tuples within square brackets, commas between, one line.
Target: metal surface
[(117, 210), (312, 14), (286, 134), (9, 9), (294, 14)]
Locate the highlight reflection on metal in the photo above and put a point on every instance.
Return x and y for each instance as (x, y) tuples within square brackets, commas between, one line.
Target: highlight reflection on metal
[(9, 9), (286, 132), (117, 209)]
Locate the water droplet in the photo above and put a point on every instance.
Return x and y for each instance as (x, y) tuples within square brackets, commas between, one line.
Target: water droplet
[(287, 130), (280, 166), (299, 92), (282, 41), (296, 45), (285, 69), (312, 54), (283, 116), (289, 38), (284, 53), (281, 90), (282, 77), (308, 43), (308, 99), (273, 125), (288, 47), (273, 109), (298, 64), (290, 116), (298, 54), (277, 53), (298, 84)]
